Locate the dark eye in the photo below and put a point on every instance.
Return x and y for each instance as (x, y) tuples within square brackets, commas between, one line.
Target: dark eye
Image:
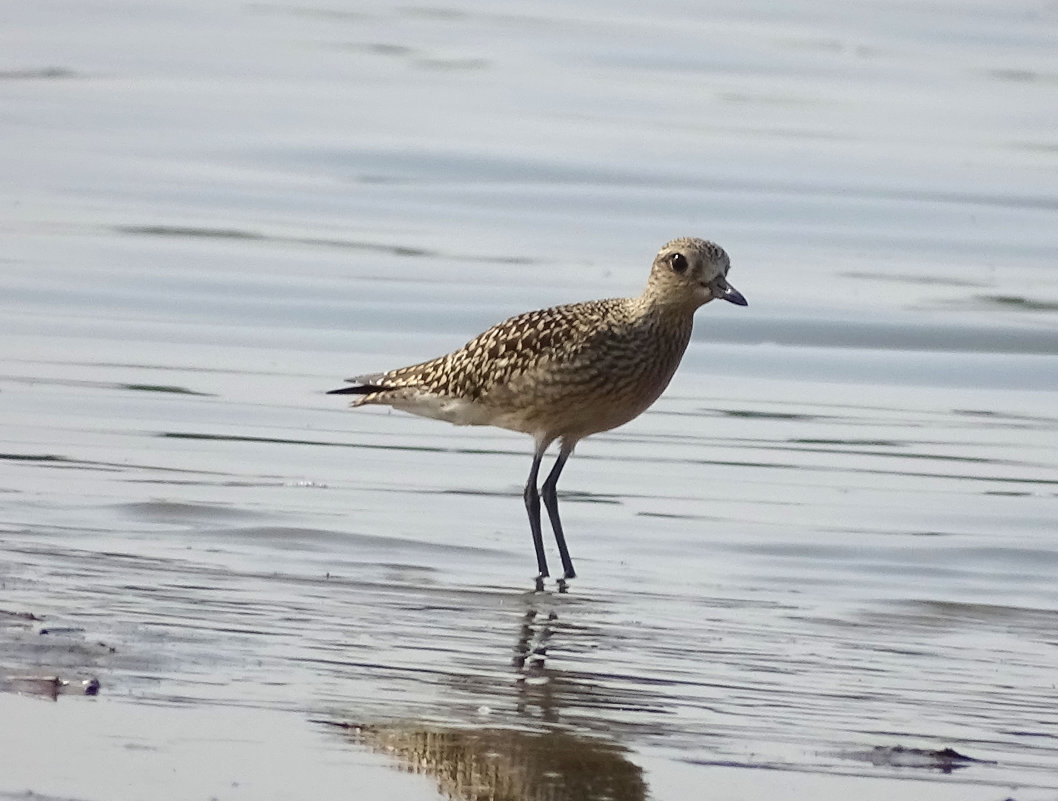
[(678, 262)]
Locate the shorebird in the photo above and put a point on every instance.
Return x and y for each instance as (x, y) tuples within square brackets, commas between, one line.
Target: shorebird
[(566, 372)]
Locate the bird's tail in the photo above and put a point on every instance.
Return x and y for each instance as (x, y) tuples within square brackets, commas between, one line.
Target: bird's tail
[(361, 389), (362, 385)]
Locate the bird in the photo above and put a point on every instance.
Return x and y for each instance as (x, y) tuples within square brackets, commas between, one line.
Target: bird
[(565, 372)]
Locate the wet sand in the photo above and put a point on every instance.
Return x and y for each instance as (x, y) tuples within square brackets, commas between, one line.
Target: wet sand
[(823, 565)]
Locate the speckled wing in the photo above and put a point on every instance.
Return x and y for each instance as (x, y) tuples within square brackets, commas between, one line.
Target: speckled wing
[(502, 356)]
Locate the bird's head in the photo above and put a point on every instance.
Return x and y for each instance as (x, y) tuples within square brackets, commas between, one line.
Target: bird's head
[(692, 272)]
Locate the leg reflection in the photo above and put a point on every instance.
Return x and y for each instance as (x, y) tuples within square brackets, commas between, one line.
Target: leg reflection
[(534, 680)]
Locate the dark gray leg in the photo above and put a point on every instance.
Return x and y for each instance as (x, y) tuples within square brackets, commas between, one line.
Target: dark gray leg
[(532, 506), (550, 496)]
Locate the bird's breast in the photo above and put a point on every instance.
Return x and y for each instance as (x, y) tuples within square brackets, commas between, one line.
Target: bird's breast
[(607, 380)]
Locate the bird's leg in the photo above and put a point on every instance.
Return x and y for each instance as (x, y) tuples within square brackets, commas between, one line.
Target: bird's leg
[(532, 506), (550, 496)]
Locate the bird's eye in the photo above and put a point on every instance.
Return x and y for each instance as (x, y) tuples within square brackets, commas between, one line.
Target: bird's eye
[(678, 262)]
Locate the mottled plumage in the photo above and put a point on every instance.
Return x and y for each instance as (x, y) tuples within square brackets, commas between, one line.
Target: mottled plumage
[(566, 372)]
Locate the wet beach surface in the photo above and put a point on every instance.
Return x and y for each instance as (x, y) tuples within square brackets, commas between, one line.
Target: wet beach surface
[(825, 564)]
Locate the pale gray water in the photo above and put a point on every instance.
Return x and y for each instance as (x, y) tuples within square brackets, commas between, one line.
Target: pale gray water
[(835, 533)]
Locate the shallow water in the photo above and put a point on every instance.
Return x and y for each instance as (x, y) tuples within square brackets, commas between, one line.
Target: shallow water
[(826, 555)]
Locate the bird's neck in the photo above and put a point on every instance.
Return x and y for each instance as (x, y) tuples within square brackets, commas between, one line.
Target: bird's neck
[(671, 312)]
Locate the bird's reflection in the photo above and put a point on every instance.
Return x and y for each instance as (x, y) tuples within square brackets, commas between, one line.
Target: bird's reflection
[(534, 756), (510, 765)]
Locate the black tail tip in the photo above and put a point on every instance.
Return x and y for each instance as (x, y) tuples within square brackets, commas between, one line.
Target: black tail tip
[(357, 390)]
